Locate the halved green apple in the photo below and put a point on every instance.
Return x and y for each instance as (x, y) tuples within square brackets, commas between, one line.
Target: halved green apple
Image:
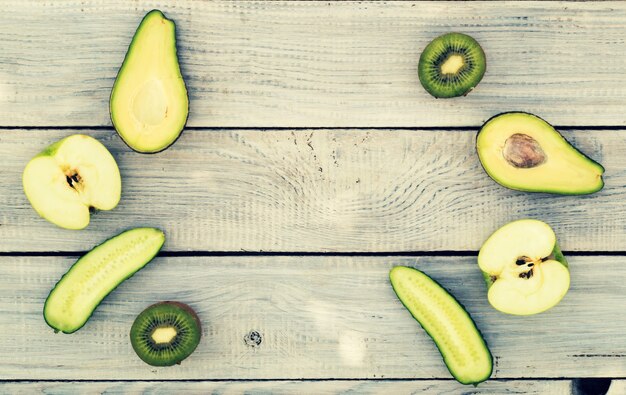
[(69, 177), (524, 268)]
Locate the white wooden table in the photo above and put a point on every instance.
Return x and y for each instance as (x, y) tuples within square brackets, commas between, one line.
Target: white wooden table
[(312, 163)]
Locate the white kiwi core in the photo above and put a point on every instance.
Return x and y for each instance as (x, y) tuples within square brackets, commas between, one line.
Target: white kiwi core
[(452, 65), (163, 335)]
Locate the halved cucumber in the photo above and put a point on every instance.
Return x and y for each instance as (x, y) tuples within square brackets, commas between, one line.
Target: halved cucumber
[(463, 349), (77, 294)]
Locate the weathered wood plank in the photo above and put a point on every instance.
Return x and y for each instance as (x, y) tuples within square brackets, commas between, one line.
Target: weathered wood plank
[(319, 317), (527, 387), (318, 63), (318, 190), (617, 387)]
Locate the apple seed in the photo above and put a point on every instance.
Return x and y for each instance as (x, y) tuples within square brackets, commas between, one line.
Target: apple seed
[(527, 274), (73, 179)]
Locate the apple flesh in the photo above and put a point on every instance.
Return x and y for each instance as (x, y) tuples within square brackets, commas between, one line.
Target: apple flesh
[(524, 268), (70, 177)]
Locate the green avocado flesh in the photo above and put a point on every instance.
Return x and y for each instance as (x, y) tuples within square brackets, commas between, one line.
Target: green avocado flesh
[(463, 349), (522, 151), (149, 103), (96, 274)]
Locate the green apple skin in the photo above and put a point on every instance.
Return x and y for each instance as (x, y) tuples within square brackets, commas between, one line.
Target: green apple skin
[(523, 267), (556, 254), (54, 199)]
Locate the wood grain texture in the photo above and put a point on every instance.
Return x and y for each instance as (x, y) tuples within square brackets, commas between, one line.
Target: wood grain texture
[(317, 190), (617, 387), (318, 63), (319, 317), (369, 387)]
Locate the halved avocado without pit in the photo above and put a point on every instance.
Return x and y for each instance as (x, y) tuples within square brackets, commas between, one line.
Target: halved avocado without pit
[(149, 103), (523, 152)]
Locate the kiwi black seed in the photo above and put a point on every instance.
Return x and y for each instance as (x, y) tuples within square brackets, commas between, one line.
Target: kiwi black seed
[(165, 333), (451, 65)]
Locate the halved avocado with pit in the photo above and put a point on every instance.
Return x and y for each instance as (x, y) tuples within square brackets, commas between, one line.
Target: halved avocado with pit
[(149, 103), (523, 152)]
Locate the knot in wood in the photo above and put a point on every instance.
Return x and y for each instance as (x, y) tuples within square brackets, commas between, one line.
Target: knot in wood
[(253, 338)]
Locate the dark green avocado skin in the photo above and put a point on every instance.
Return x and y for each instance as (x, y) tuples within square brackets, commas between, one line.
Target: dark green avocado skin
[(152, 13), (553, 192)]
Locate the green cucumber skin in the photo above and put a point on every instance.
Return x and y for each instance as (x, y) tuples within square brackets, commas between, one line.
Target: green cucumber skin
[(56, 330), (475, 383)]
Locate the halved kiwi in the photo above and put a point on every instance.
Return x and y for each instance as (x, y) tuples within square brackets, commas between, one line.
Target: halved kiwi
[(451, 65), (165, 333)]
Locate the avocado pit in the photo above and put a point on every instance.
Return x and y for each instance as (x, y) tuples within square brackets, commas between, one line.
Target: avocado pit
[(523, 151)]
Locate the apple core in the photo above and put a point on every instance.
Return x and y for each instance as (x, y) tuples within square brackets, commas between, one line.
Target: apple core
[(74, 180), (523, 267), (71, 177)]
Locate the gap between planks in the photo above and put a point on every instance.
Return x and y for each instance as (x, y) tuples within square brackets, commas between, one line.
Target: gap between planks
[(307, 334), (295, 64), (326, 191), (528, 387), (303, 253), (468, 128)]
